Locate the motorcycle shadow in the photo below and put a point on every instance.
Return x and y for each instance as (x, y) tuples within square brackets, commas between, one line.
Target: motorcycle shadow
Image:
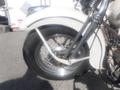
[(90, 81), (29, 81)]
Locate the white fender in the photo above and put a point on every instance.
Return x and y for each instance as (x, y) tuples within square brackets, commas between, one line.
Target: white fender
[(73, 19)]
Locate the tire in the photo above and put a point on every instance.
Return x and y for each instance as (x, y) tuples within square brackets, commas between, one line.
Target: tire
[(33, 57)]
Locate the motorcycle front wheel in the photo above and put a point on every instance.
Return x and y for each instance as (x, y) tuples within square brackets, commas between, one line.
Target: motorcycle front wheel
[(59, 39)]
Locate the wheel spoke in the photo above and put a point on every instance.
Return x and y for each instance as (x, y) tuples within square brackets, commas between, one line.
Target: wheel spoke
[(65, 41), (56, 41)]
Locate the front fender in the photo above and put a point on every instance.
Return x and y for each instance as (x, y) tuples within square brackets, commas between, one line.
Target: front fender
[(52, 12), (74, 20)]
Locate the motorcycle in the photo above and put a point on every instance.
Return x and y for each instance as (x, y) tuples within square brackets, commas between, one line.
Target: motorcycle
[(64, 44)]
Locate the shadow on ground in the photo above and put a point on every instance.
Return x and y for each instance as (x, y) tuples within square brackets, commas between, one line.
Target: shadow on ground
[(28, 82), (91, 82)]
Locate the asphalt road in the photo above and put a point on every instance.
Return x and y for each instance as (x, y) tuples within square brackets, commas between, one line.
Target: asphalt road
[(14, 74)]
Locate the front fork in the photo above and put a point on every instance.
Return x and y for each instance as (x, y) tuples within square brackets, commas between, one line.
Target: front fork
[(90, 26)]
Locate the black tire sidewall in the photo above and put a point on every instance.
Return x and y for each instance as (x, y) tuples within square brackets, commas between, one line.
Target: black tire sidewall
[(31, 52)]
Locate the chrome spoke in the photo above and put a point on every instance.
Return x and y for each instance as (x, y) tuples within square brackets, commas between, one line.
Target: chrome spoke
[(56, 41)]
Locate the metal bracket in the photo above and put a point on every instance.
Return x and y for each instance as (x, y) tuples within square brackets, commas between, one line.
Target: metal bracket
[(63, 61)]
